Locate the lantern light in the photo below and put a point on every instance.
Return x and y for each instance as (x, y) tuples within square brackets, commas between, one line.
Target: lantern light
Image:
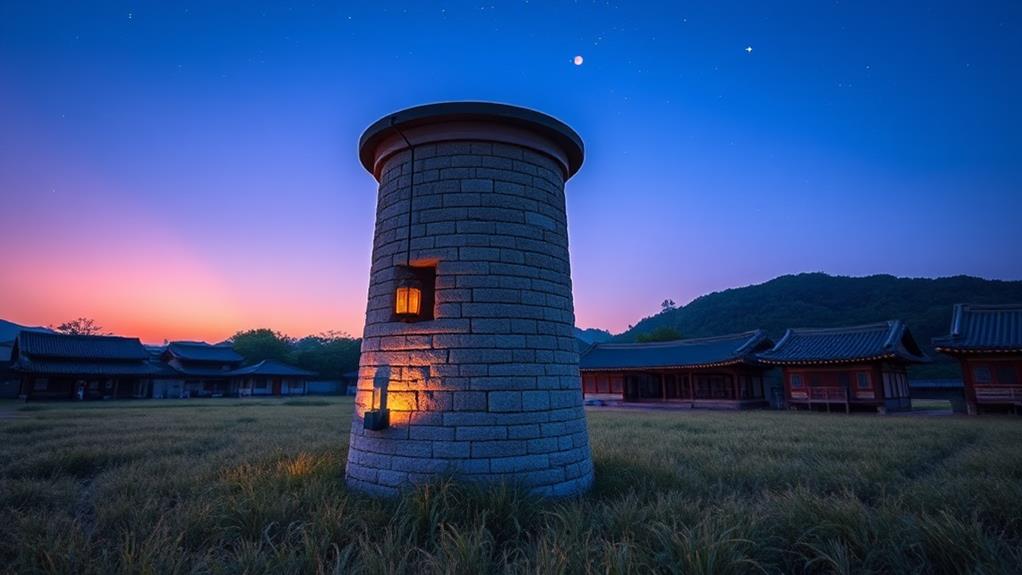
[(408, 300)]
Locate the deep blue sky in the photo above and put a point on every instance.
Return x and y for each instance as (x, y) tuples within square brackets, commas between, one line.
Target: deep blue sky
[(188, 170)]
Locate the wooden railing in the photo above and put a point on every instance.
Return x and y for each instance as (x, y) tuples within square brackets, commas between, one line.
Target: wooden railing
[(828, 393), (999, 393)]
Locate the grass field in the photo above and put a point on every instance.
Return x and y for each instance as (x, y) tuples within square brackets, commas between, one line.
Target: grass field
[(229, 486), (931, 405)]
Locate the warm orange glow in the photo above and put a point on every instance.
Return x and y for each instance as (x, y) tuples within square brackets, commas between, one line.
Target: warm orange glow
[(143, 280), (401, 401), (408, 301)]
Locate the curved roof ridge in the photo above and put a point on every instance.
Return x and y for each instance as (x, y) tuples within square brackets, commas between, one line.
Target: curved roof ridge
[(677, 342), (199, 343), (891, 339), (990, 306), (707, 351), (844, 329), (983, 327), (896, 334)]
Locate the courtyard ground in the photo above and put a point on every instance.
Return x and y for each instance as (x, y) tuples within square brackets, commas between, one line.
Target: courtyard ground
[(256, 486)]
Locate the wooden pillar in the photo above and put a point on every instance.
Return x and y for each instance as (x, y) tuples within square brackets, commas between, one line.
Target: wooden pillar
[(663, 387)]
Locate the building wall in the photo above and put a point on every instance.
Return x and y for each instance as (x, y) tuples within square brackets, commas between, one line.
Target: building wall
[(888, 385), (489, 389), (1003, 389), (692, 385), (167, 388)]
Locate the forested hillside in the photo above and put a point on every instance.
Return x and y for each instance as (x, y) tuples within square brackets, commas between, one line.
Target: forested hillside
[(821, 300)]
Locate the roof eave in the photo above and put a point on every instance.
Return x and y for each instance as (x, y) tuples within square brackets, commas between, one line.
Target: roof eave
[(660, 367), (951, 350), (844, 361)]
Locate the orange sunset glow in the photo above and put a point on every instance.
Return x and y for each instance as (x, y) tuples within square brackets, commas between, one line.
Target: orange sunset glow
[(141, 280)]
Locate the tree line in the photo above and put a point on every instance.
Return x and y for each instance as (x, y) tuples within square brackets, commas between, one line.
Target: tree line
[(330, 354)]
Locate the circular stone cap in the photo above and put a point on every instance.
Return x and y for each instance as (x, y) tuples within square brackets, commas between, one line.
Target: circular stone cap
[(446, 112)]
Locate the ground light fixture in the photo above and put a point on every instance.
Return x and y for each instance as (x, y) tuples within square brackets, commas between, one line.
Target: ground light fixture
[(377, 418)]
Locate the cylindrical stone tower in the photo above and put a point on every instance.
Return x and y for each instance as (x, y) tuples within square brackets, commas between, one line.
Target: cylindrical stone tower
[(469, 364)]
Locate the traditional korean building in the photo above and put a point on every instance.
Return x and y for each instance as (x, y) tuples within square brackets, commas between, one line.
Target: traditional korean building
[(269, 377), (987, 341), (720, 372), (56, 366), (847, 369), (49, 365), (205, 370)]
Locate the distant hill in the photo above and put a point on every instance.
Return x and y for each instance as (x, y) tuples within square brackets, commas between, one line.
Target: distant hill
[(821, 300), (9, 330), (593, 335)]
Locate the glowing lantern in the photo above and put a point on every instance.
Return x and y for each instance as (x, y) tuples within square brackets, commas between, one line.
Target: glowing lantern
[(408, 300)]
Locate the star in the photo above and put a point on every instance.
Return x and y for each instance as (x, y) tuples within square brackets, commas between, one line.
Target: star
[(748, 49), (578, 60)]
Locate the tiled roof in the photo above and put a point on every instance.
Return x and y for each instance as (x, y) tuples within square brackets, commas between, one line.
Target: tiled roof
[(200, 371), (983, 328), (271, 367), (163, 370), (885, 340), (727, 349), (85, 367), (201, 351), (78, 347), (58, 354)]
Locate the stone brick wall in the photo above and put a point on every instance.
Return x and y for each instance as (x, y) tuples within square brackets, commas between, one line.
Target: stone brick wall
[(489, 390)]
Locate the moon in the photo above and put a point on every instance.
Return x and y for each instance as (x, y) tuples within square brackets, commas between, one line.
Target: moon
[(578, 60)]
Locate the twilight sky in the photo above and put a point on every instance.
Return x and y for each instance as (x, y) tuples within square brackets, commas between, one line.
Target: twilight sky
[(177, 170)]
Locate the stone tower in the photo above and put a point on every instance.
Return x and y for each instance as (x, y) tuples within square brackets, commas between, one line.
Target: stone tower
[(469, 364)]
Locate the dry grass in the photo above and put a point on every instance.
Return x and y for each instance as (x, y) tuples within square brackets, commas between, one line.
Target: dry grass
[(226, 486)]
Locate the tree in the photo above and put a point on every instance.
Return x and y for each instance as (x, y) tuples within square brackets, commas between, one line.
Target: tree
[(331, 354), (80, 326), (663, 333), (668, 305), (255, 345)]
